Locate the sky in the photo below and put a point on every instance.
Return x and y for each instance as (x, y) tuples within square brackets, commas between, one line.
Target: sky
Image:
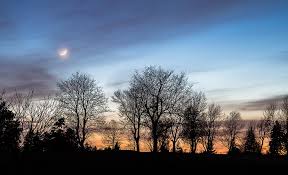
[(234, 51)]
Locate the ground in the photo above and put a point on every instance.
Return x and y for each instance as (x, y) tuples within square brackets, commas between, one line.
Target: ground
[(129, 161)]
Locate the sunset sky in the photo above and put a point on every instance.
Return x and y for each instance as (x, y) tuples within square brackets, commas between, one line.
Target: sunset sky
[(234, 51)]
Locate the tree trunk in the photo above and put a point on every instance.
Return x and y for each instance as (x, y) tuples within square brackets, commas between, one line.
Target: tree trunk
[(209, 145), (83, 134), (137, 144), (174, 146), (77, 131), (137, 138), (155, 139), (193, 146)]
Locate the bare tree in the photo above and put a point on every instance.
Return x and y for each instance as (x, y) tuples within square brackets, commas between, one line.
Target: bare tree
[(231, 130), (266, 123), (131, 110), (42, 114), (175, 131), (82, 101), (212, 124), (20, 104), (164, 135), (35, 115), (111, 133), (161, 90), (270, 111), (193, 120)]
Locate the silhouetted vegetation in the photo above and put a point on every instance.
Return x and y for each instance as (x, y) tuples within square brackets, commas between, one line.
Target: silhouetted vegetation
[(193, 123), (251, 145), (9, 130), (276, 143), (60, 138), (158, 103), (231, 131), (82, 101)]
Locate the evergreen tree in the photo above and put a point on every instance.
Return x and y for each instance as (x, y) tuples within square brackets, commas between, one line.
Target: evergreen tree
[(33, 142), (276, 143), (60, 138), (251, 145), (9, 130)]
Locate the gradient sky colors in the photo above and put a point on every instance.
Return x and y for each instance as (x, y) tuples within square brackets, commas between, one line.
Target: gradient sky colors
[(235, 51)]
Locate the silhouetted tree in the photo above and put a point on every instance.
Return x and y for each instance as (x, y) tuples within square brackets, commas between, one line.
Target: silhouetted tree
[(131, 110), (61, 138), (36, 116), (9, 130), (41, 116), (265, 124), (20, 103), (211, 126), (160, 91), (163, 135), (251, 145), (82, 101), (284, 116), (33, 142), (112, 133), (116, 146), (175, 130), (276, 143), (90, 148), (231, 131), (194, 120)]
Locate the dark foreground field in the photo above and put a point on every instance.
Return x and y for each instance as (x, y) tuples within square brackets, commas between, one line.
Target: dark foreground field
[(163, 162)]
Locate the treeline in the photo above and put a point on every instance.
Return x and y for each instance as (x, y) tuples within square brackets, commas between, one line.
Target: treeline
[(159, 107)]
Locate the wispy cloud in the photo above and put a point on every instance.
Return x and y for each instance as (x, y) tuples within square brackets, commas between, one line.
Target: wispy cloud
[(258, 105), (117, 83), (97, 27), (23, 74)]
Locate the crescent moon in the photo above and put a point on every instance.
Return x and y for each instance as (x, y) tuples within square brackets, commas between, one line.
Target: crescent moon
[(63, 53)]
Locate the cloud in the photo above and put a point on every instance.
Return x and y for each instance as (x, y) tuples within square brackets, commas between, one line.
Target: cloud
[(26, 75), (94, 28), (261, 104), (117, 83)]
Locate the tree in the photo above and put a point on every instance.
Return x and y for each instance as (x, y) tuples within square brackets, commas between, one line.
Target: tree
[(251, 145), (160, 92), (9, 130), (175, 131), (60, 138), (112, 134), (36, 116), (116, 147), (284, 116), (212, 124), (82, 101), (33, 142), (40, 117), (265, 125), (193, 120), (131, 111), (231, 131), (276, 143), (163, 135), (20, 104)]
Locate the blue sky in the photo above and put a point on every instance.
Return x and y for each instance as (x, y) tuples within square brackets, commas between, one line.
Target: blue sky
[(235, 51)]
